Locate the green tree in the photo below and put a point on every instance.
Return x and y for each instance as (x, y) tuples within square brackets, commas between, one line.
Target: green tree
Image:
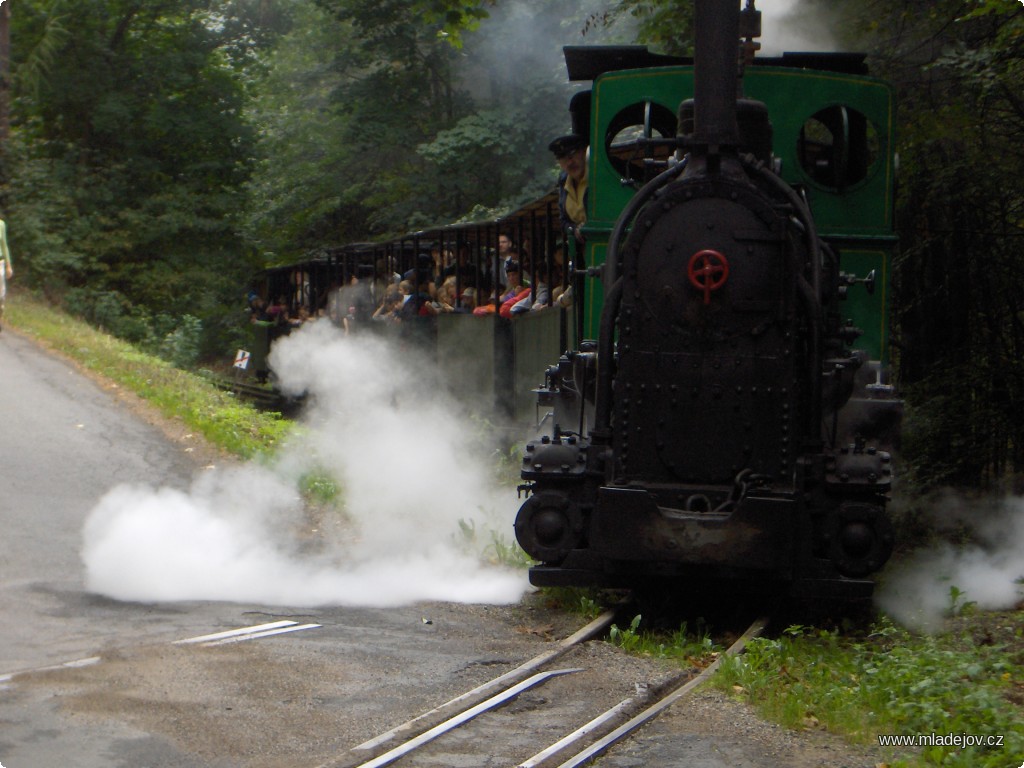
[(370, 122), (129, 149), (302, 171)]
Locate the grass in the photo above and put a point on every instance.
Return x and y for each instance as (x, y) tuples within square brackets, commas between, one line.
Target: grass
[(889, 681), (222, 419), (691, 649), (490, 545)]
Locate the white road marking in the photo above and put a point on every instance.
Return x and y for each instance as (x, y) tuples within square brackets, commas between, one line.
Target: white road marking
[(235, 632), (66, 665), (267, 633), (218, 638)]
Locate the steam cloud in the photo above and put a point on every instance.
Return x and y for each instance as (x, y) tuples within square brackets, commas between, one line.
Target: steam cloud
[(379, 427), (795, 25), (921, 591)]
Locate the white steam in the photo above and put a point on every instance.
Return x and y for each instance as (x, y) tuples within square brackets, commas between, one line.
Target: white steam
[(794, 25), (920, 592), (380, 427)]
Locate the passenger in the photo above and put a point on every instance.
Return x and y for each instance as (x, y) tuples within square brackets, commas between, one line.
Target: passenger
[(436, 265), (277, 312), (535, 299), (417, 297), (336, 309), (6, 270), (514, 287), (506, 255), (383, 280), (389, 307), (446, 296), (506, 307), (515, 284), (257, 309), (357, 300), (468, 303), (561, 294), (571, 153), (300, 287), (422, 275), (459, 266)]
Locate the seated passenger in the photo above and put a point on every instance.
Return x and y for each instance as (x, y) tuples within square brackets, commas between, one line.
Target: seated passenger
[(534, 300), (278, 311), (506, 255), (383, 279), (513, 288), (445, 300), (389, 306), (468, 303), (458, 264), (563, 296), (508, 304), (258, 310), (336, 309), (416, 299)]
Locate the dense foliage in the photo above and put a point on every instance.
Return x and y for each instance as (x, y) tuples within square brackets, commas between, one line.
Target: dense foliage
[(959, 282), (162, 151), (127, 157)]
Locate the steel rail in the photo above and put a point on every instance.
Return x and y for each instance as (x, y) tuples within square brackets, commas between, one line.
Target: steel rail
[(593, 628), (463, 717), (625, 729), (605, 717), (597, 625)]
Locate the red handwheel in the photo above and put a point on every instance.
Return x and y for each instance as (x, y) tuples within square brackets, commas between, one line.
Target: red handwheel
[(708, 270)]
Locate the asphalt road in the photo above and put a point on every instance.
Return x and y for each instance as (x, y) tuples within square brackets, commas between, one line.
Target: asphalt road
[(65, 442)]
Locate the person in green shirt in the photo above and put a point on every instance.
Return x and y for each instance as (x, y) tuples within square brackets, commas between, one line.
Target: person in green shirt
[(6, 270)]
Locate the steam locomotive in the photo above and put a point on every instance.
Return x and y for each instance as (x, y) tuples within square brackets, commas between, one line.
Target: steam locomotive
[(732, 421)]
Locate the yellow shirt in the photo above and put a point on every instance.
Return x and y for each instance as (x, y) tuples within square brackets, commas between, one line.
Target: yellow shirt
[(575, 193)]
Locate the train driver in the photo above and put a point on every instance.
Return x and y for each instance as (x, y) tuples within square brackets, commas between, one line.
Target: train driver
[(571, 153)]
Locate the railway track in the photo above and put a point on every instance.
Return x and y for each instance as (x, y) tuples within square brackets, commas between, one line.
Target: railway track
[(547, 712), (262, 396)]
